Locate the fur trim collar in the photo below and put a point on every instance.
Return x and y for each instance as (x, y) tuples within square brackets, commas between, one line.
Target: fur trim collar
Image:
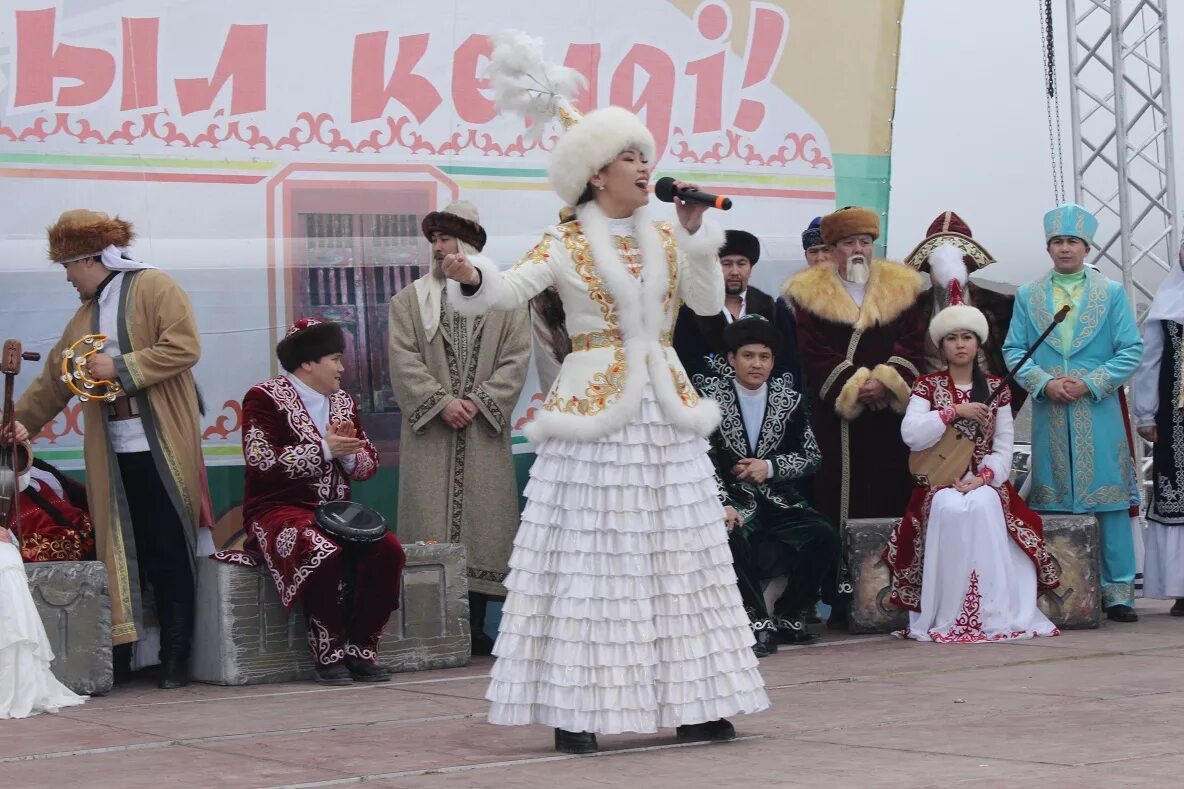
[(891, 289)]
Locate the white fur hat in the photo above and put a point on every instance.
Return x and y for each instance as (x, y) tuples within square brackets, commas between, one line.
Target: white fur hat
[(594, 142), (955, 317)]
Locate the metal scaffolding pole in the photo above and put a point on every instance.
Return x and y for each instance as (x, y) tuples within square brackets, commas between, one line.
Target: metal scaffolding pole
[(1123, 158)]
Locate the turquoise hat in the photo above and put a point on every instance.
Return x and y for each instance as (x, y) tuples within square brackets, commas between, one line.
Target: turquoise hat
[(1070, 219)]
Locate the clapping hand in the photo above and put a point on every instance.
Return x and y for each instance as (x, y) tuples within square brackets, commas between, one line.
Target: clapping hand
[(343, 440)]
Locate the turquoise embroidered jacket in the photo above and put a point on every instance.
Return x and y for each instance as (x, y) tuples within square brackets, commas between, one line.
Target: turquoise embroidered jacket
[(1080, 458)]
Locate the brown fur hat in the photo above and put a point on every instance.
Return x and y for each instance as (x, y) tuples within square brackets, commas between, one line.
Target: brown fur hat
[(80, 233), (459, 219), (850, 221)]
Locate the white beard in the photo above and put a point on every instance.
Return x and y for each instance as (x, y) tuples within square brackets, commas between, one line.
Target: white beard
[(857, 270)]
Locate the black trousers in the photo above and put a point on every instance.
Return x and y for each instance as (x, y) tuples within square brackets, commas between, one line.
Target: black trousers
[(798, 543), (162, 551)]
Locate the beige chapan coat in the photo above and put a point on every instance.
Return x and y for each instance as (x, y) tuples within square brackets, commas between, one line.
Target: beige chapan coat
[(160, 343), (459, 486)]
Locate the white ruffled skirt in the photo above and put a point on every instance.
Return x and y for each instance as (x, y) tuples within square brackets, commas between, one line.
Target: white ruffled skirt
[(27, 686), (622, 612)]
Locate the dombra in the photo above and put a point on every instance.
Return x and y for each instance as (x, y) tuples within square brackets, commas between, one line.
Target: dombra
[(350, 522), (947, 460), (16, 458)]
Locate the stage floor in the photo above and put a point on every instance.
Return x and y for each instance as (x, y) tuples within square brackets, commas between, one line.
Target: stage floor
[(1089, 708)]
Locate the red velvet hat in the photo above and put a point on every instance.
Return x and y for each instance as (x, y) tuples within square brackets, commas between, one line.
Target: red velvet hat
[(949, 228)]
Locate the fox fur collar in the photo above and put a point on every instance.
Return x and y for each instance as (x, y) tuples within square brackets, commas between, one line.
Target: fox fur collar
[(891, 289)]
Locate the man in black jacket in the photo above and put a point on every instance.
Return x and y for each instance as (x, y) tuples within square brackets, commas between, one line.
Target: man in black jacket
[(699, 340)]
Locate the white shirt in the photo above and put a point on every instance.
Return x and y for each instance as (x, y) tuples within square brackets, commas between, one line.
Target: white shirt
[(317, 406), (752, 404), (743, 307), (856, 289), (127, 435)]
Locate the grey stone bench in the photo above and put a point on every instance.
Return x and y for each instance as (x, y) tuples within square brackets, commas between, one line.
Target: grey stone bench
[(75, 607), (243, 635), (1071, 539)]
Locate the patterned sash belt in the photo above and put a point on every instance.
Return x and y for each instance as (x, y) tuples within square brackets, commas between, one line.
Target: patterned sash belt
[(609, 338)]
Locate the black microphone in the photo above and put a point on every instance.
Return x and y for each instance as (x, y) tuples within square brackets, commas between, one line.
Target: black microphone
[(666, 191)]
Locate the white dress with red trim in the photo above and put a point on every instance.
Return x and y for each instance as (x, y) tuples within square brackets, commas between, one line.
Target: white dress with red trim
[(968, 566)]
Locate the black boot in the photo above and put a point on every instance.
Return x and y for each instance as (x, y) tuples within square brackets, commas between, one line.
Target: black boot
[(712, 731), (337, 674), (793, 631), (176, 635), (1121, 613), (838, 613), (482, 643), (575, 742), (1178, 608), (766, 641), (365, 671)]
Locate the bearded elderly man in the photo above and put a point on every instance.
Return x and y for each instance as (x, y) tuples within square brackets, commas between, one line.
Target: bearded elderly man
[(456, 380), (861, 340)]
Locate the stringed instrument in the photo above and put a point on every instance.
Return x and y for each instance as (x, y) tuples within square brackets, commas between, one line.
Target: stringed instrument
[(16, 457), (947, 460)]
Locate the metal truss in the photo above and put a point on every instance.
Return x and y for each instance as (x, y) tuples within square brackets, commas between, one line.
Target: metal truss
[(1123, 159)]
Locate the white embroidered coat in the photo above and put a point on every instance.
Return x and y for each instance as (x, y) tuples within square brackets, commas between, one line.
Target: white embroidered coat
[(621, 325)]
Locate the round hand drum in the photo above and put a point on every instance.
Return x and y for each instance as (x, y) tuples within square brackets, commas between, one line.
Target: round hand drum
[(349, 521)]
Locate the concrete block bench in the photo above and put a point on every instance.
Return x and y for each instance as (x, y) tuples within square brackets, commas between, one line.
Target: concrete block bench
[(75, 607), (243, 635), (1071, 539)]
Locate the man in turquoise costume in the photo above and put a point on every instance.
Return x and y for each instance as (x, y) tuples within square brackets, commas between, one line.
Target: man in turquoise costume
[(1082, 462)]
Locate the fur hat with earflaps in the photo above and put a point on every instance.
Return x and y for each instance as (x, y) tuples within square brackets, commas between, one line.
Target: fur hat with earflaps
[(525, 83), (80, 233)]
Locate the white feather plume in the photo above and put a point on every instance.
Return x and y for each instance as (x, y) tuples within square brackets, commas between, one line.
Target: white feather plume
[(526, 84)]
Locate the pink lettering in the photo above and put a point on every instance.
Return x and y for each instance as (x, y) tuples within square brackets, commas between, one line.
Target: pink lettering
[(709, 91), (766, 40), (371, 92), (243, 63), (656, 99), (40, 62), (140, 39), (471, 104), (585, 58)]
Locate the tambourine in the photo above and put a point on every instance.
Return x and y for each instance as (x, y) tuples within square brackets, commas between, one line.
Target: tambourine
[(351, 522), (78, 380)]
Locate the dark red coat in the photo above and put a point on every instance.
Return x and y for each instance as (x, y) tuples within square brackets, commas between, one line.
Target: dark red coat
[(841, 346), (288, 477)]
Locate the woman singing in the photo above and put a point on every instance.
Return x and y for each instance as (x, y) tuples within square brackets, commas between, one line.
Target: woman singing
[(622, 612)]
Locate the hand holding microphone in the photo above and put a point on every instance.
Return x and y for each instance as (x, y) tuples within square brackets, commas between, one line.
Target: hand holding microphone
[(666, 189), (690, 202)]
